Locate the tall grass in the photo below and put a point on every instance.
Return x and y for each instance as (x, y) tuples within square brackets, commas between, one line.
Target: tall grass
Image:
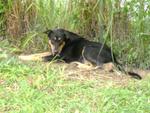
[(123, 27), (2, 20)]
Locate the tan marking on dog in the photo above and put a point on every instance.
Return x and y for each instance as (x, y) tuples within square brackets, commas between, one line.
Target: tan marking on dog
[(53, 47), (34, 57), (83, 66), (61, 46), (84, 59), (109, 67)]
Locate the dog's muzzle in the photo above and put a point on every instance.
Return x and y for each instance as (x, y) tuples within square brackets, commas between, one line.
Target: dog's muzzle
[(57, 48)]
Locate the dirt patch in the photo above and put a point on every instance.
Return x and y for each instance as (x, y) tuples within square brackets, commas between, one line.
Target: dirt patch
[(103, 77), (1, 50), (107, 74)]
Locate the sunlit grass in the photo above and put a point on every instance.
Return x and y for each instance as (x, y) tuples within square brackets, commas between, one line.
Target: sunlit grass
[(36, 87)]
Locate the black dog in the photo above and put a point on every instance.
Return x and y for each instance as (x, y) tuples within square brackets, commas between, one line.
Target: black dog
[(69, 47)]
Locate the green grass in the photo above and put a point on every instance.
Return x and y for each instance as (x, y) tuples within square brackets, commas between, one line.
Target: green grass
[(33, 87), (124, 28)]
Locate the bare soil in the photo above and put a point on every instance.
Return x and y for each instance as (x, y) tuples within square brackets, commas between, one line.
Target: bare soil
[(105, 75)]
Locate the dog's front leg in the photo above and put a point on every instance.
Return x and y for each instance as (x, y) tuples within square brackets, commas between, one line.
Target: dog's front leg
[(51, 58)]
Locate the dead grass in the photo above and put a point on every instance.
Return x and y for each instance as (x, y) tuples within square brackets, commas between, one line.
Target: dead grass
[(77, 71), (102, 75)]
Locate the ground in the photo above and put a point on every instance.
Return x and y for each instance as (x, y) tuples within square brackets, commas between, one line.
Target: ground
[(38, 87), (79, 71)]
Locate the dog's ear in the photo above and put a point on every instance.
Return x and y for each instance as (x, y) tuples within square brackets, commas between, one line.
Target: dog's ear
[(48, 31), (66, 34), (63, 33), (70, 36)]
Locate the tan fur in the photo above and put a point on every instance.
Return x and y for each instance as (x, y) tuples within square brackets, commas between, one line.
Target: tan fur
[(34, 57), (83, 66), (109, 67), (84, 59), (61, 46), (53, 47)]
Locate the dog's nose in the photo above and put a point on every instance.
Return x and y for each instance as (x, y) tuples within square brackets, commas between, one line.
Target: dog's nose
[(55, 52)]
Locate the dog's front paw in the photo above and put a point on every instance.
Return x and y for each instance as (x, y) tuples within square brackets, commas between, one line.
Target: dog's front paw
[(46, 58)]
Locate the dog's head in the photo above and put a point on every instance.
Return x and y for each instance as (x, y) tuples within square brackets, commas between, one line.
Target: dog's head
[(57, 40)]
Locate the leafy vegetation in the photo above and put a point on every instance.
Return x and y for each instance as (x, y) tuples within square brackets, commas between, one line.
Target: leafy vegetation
[(123, 25)]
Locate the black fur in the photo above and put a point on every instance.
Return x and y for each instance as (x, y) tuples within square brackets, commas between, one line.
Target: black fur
[(76, 48)]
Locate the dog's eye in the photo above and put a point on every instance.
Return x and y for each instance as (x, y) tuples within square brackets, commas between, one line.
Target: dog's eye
[(59, 38), (55, 38)]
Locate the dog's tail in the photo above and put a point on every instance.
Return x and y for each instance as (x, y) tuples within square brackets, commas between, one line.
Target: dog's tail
[(122, 69)]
